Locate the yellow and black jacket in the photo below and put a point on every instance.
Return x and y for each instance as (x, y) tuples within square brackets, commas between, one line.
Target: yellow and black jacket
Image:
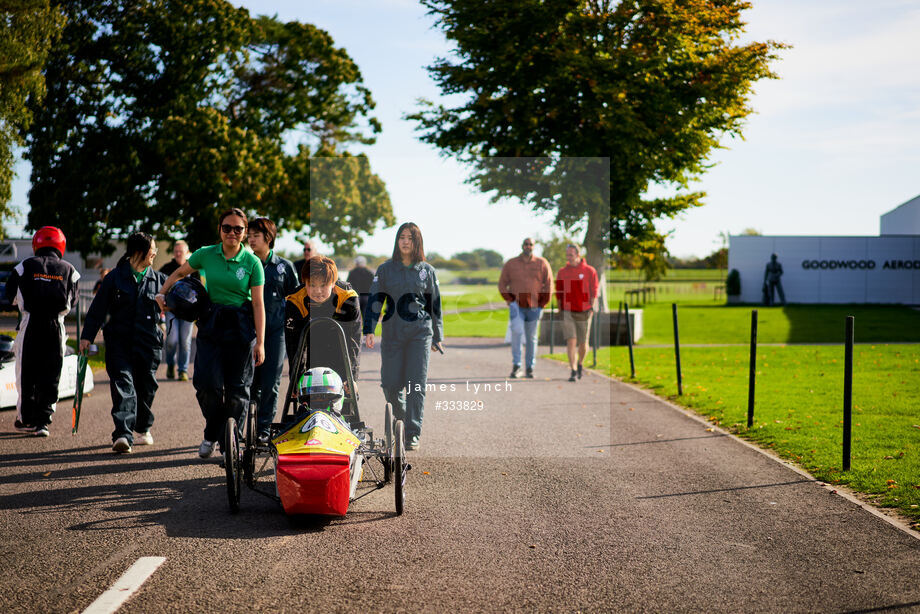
[(322, 347)]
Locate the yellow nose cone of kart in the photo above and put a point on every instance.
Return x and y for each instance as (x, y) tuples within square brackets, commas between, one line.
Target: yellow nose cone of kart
[(315, 458)]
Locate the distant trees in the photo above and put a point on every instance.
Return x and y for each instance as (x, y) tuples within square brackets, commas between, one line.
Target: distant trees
[(161, 113), (28, 28)]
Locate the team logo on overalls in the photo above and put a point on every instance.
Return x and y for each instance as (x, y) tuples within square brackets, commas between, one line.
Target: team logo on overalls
[(240, 273), (280, 269), (423, 274)]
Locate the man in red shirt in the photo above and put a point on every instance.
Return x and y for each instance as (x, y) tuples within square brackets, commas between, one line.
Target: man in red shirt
[(576, 290)]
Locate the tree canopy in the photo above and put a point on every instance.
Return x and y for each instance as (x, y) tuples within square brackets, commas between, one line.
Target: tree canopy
[(28, 28), (162, 113), (578, 106)]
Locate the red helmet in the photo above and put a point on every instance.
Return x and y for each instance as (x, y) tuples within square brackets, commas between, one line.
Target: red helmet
[(49, 236)]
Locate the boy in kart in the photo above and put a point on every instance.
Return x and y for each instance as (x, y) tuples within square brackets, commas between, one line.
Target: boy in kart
[(323, 295)]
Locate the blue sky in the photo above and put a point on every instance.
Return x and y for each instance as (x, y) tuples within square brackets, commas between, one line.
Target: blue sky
[(834, 143)]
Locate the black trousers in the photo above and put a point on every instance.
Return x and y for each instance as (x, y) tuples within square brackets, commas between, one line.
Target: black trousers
[(39, 357), (133, 383), (223, 376)]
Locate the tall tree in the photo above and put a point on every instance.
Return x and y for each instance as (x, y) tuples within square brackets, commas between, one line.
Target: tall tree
[(577, 106), (161, 113), (28, 28)]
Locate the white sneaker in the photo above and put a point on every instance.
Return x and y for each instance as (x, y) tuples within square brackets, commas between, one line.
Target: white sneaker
[(143, 439), (206, 448), (121, 445)]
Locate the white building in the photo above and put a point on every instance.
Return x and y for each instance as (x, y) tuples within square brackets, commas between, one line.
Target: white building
[(870, 269)]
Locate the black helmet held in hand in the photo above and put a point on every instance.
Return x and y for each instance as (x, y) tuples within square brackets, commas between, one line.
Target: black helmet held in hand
[(188, 300)]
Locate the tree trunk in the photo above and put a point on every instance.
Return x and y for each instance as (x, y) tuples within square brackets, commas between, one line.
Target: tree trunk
[(598, 249)]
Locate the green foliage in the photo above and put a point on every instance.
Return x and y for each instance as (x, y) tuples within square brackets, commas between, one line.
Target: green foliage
[(554, 249), (479, 258), (577, 107), (162, 113), (28, 29), (798, 412), (733, 283)]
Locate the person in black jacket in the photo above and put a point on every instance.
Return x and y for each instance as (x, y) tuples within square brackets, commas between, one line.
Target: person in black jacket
[(127, 311), (361, 279), (178, 331), (44, 288), (323, 295)]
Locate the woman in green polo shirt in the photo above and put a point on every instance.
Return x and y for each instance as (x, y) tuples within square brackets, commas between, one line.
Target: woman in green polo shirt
[(230, 340)]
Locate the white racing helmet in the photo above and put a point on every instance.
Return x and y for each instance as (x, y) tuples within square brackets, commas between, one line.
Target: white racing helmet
[(321, 388)]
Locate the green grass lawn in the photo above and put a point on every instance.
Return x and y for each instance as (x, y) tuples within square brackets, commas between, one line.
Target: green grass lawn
[(672, 274), (707, 323), (799, 407), (476, 324), (459, 296)]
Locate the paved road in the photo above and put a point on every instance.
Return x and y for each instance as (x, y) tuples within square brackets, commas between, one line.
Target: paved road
[(555, 497)]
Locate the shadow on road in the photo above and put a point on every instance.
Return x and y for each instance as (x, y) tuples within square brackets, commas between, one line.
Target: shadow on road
[(195, 506), (732, 489)]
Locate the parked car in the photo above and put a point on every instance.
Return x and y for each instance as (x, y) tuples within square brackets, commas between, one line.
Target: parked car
[(4, 304)]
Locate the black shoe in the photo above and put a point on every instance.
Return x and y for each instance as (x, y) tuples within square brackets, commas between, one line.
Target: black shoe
[(22, 427), (170, 372), (579, 371), (515, 371), (573, 375), (529, 374)]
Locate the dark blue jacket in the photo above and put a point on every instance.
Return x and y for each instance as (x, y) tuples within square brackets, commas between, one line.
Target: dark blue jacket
[(126, 310), (411, 299), (280, 281)]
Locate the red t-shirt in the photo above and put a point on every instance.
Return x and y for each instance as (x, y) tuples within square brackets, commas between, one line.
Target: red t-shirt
[(576, 287)]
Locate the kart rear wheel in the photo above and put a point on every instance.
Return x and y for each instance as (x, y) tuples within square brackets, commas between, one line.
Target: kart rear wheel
[(388, 441), (249, 452), (399, 466), (232, 464)]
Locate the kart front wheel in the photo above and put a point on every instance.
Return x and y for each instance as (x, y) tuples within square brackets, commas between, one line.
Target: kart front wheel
[(388, 441), (232, 464), (399, 466)]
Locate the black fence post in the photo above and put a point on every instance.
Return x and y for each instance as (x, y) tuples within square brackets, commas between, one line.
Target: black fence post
[(848, 393), (595, 337), (680, 384), (619, 321), (79, 313), (552, 333), (752, 376), (629, 341)]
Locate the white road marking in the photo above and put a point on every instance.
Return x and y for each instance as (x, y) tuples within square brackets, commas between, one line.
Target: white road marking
[(125, 586)]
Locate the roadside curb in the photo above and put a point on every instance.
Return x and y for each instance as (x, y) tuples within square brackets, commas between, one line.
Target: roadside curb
[(839, 490)]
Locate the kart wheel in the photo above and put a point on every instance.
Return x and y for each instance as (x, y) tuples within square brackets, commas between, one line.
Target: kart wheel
[(249, 452), (388, 441), (399, 466), (232, 462)]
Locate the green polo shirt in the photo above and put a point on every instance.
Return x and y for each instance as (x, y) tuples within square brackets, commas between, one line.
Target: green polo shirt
[(228, 280)]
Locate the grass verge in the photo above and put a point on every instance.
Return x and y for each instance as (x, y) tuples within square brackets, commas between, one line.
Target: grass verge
[(798, 409), (708, 323)]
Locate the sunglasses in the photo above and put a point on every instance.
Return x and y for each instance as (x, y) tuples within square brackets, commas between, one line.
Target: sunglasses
[(227, 229)]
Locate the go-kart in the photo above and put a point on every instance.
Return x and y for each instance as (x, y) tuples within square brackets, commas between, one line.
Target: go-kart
[(317, 457)]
